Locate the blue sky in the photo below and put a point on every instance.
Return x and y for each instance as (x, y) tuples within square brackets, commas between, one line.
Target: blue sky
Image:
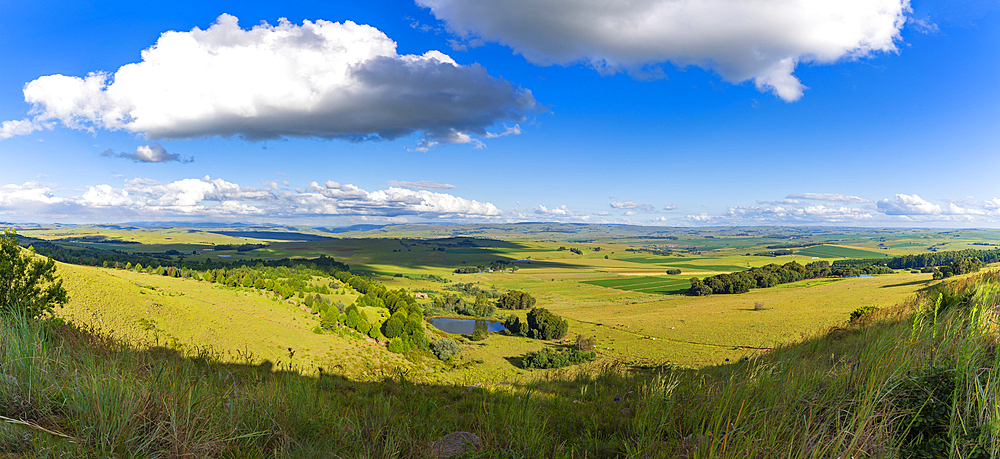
[(665, 112)]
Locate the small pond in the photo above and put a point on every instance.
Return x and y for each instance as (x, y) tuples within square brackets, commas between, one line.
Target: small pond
[(465, 326)]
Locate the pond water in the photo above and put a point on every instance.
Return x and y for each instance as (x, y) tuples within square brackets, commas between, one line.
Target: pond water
[(465, 326)]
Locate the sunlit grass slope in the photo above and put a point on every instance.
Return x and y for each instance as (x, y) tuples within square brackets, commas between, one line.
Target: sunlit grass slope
[(187, 314)]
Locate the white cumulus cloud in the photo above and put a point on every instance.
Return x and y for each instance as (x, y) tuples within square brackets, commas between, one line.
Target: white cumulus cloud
[(913, 205), (319, 79), (741, 40), (13, 195), (207, 198)]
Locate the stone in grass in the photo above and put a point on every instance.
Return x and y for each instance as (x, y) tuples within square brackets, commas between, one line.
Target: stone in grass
[(454, 444)]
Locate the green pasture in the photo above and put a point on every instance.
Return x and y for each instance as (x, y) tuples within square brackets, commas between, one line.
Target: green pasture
[(833, 251), (661, 285)]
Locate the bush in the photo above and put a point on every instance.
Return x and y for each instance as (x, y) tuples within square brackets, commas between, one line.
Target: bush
[(862, 312), (673, 271), (445, 348), (398, 345), (514, 326), (547, 358), (584, 344), (543, 324), (478, 335)]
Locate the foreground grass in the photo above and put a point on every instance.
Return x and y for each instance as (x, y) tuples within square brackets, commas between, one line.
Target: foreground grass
[(918, 380)]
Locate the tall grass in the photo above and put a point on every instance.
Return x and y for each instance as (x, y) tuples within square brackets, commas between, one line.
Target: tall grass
[(918, 380)]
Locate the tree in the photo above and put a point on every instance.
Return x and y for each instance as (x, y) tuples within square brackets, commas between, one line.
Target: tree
[(543, 324), (445, 348), (27, 284), (483, 308), (516, 299)]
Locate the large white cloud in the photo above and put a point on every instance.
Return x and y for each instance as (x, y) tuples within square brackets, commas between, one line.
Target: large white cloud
[(316, 80), (208, 198), (913, 205), (30, 193), (741, 40)]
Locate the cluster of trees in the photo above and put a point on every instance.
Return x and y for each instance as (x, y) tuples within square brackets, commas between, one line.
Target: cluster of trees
[(540, 324), (474, 289), (767, 276), (673, 271), (774, 253), (922, 260), (964, 266), (498, 265), (516, 299), (402, 325), (481, 307), (547, 358)]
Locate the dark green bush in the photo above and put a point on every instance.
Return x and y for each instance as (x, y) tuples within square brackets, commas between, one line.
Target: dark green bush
[(543, 324), (478, 335), (515, 326), (445, 348), (398, 345), (547, 358)]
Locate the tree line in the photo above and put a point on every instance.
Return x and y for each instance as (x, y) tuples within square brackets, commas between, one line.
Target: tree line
[(773, 274), (922, 260)]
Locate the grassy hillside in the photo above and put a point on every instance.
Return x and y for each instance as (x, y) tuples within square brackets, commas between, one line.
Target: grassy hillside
[(916, 380)]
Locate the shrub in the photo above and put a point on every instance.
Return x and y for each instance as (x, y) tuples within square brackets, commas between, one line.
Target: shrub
[(445, 348), (862, 312), (398, 345), (514, 326), (584, 344), (543, 324), (673, 271), (547, 358), (478, 335), (758, 306)]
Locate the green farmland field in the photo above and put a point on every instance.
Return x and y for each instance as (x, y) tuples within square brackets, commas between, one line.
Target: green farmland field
[(832, 251), (662, 285)]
